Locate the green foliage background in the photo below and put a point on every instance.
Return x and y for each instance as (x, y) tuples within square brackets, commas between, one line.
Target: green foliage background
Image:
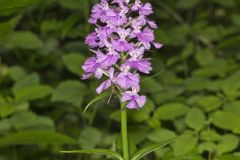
[(196, 96)]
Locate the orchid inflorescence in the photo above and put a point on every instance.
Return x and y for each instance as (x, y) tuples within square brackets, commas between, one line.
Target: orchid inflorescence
[(123, 33)]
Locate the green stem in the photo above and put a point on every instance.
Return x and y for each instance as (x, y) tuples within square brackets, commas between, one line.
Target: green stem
[(124, 132)]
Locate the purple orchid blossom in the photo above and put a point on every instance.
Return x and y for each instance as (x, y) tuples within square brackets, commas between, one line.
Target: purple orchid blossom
[(123, 33)]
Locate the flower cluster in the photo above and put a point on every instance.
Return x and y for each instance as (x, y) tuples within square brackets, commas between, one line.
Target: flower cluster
[(123, 33)]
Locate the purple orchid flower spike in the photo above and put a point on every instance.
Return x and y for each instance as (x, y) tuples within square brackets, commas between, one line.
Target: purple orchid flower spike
[(122, 35)]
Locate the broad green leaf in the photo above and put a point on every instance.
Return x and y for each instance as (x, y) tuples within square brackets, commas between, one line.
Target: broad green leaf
[(229, 157), (195, 119), (69, 26), (219, 68), (70, 92), (162, 36), (74, 62), (28, 120), (148, 149), (72, 4), (16, 73), (154, 121), (89, 138), (212, 33), (96, 151), (228, 143), (8, 7), (35, 137), (6, 110), (151, 83), (184, 144), (205, 57), (23, 40), (187, 4), (236, 19), (209, 135), (225, 3), (188, 50), (196, 84), (7, 27), (226, 120), (32, 92), (142, 114), (101, 96), (161, 135), (170, 111), (5, 125), (207, 146), (233, 106), (50, 25), (231, 85), (209, 103), (135, 135), (26, 81), (231, 42)]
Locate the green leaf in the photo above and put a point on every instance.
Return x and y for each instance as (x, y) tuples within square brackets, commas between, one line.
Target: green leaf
[(96, 151), (195, 119), (50, 25), (27, 81), (209, 103), (8, 7), (29, 120), (23, 40), (196, 84), (89, 138), (74, 62), (7, 27), (226, 120), (6, 110), (5, 125), (161, 135), (151, 83), (186, 4), (32, 92), (229, 157), (210, 135), (35, 137), (236, 19), (233, 107), (72, 4), (142, 114), (207, 146), (228, 143), (75, 91), (170, 111), (16, 73), (151, 148), (184, 144), (205, 57), (225, 3), (231, 85), (101, 96)]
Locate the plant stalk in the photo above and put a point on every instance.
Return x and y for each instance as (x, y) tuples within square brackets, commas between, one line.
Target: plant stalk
[(124, 132)]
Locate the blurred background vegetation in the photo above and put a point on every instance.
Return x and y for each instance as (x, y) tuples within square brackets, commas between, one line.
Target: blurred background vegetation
[(196, 96)]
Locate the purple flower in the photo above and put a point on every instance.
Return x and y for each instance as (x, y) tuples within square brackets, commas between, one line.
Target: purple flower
[(107, 60), (145, 9), (134, 100), (106, 84), (122, 35), (91, 40), (127, 80), (142, 65)]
